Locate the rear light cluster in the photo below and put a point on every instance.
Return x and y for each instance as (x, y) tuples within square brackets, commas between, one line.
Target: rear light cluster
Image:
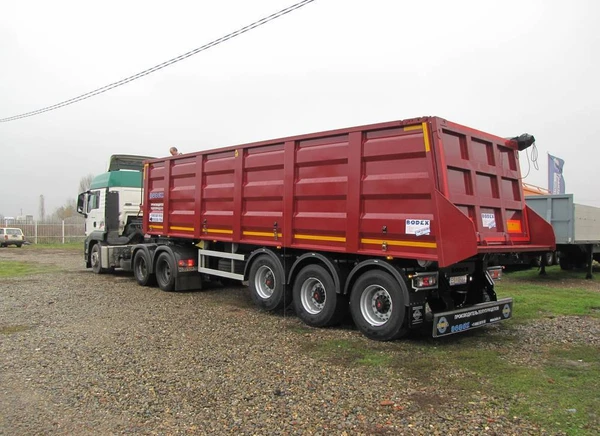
[(495, 272), (186, 262), (424, 280)]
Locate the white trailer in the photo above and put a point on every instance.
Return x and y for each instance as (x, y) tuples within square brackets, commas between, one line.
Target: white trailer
[(576, 228)]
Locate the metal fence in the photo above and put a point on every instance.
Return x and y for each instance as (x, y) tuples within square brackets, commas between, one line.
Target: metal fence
[(53, 232)]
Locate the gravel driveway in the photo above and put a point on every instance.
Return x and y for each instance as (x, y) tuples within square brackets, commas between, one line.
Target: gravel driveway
[(88, 354)]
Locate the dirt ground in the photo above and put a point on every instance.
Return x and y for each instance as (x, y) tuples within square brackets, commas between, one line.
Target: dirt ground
[(98, 354)]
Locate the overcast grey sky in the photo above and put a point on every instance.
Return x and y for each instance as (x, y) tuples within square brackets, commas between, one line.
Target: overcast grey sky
[(506, 67)]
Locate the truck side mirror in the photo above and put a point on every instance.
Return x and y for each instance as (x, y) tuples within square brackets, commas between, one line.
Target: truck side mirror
[(81, 204)]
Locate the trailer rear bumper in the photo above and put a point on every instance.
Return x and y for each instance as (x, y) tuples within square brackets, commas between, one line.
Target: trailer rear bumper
[(515, 248), (460, 320)]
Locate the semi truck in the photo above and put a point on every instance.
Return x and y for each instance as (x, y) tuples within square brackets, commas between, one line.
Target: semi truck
[(394, 222), (576, 227)]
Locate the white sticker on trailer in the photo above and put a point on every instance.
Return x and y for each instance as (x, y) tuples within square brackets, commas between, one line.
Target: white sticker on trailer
[(418, 227), (488, 220), (156, 217)]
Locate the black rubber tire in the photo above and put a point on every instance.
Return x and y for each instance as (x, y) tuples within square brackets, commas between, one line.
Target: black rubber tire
[(565, 264), (141, 269), (392, 328), (263, 270), (334, 306), (165, 271), (95, 260)]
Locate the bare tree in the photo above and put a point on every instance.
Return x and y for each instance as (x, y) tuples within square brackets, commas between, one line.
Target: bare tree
[(65, 211), (85, 182)]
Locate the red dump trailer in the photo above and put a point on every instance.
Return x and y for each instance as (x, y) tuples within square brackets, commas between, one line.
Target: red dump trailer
[(395, 222)]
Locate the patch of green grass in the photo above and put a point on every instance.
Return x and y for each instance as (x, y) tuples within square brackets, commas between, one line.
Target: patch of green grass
[(554, 275), (11, 329), (11, 268), (299, 329), (350, 353), (538, 301), (560, 391), (561, 394), (67, 246), (375, 359)]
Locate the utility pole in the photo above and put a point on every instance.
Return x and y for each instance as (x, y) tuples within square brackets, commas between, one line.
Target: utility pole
[(42, 210)]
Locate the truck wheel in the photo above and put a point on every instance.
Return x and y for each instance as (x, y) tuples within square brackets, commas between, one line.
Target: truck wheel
[(565, 263), (267, 284), (315, 300), (141, 269), (165, 272), (95, 260), (377, 306)]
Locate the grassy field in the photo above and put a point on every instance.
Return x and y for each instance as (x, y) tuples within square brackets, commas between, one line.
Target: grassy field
[(10, 268), (68, 246)]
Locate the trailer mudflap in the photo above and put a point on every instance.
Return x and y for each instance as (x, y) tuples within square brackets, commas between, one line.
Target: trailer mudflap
[(460, 320)]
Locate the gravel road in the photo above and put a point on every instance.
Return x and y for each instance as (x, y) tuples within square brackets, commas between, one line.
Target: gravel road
[(88, 354)]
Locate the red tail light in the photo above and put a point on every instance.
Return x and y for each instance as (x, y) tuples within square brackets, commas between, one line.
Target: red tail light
[(186, 262), (424, 280), (495, 272)]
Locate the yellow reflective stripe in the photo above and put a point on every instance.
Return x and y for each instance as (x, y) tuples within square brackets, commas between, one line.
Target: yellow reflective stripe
[(426, 137), (225, 232), (265, 234), (185, 229), (410, 128), (156, 227), (400, 243), (320, 238)]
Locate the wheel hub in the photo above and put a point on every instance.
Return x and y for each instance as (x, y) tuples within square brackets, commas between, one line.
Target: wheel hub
[(376, 305), (269, 282), (313, 295), (382, 304), (265, 282), (318, 295)]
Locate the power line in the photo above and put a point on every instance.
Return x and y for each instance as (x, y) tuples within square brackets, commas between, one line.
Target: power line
[(162, 65)]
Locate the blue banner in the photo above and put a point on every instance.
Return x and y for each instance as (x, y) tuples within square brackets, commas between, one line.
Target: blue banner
[(556, 181)]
